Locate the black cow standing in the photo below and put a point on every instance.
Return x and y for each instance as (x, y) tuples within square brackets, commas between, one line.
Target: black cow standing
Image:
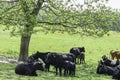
[(79, 53), (29, 69), (69, 68), (57, 60)]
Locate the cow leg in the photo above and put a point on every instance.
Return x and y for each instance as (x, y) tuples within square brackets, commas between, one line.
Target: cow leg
[(80, 61), (60, 71), (47, 66), (74, 72), (56, 71), (75, 60), (70, 72), (112, 56), (84, 58), (65, 72)]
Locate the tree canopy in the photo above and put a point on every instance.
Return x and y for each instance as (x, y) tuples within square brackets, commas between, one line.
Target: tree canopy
[(90, 17)]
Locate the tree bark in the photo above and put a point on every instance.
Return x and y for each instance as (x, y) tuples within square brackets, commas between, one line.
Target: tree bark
[(24, 47)]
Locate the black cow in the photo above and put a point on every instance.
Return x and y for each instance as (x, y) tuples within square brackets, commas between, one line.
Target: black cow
[(57, 60), (110, 62), (79, 53), (103, 69), (29, 69), (69, 68), (116, 73), (41, 55)]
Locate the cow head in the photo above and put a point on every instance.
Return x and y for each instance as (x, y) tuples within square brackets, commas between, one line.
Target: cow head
[(38, 65), (81, 50), (100, 68), (33, 57), (106, 60), (36, 55), (104, 57)]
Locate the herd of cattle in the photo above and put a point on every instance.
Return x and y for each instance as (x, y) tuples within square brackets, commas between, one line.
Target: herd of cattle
[(60, 61), (110, 66), (67, 61)]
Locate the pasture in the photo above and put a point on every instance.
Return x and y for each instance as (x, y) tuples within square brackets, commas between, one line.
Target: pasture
[(95, 48)]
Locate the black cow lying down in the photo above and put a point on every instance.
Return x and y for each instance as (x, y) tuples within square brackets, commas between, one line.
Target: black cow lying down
[(59, 61), (104, 69), (29, 69), (116, 73), (109, 62)]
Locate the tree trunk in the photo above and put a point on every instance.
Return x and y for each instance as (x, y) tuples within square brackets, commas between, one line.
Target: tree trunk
[(24, 47), (25, 39)]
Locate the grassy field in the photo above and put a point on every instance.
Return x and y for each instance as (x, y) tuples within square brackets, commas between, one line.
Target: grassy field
[(95, 48)]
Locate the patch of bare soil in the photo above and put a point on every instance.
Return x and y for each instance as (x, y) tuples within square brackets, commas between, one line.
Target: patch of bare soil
[(8, 59)]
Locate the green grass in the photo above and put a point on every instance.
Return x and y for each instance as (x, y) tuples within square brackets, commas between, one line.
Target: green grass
[(83, 72), (95, 48)]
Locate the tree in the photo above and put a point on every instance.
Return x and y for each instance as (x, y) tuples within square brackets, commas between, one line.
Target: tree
[(22, 16)]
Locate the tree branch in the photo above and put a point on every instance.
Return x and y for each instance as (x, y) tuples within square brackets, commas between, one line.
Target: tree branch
[(52, 11), (38, 7), (54, 23), (65, 24)]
